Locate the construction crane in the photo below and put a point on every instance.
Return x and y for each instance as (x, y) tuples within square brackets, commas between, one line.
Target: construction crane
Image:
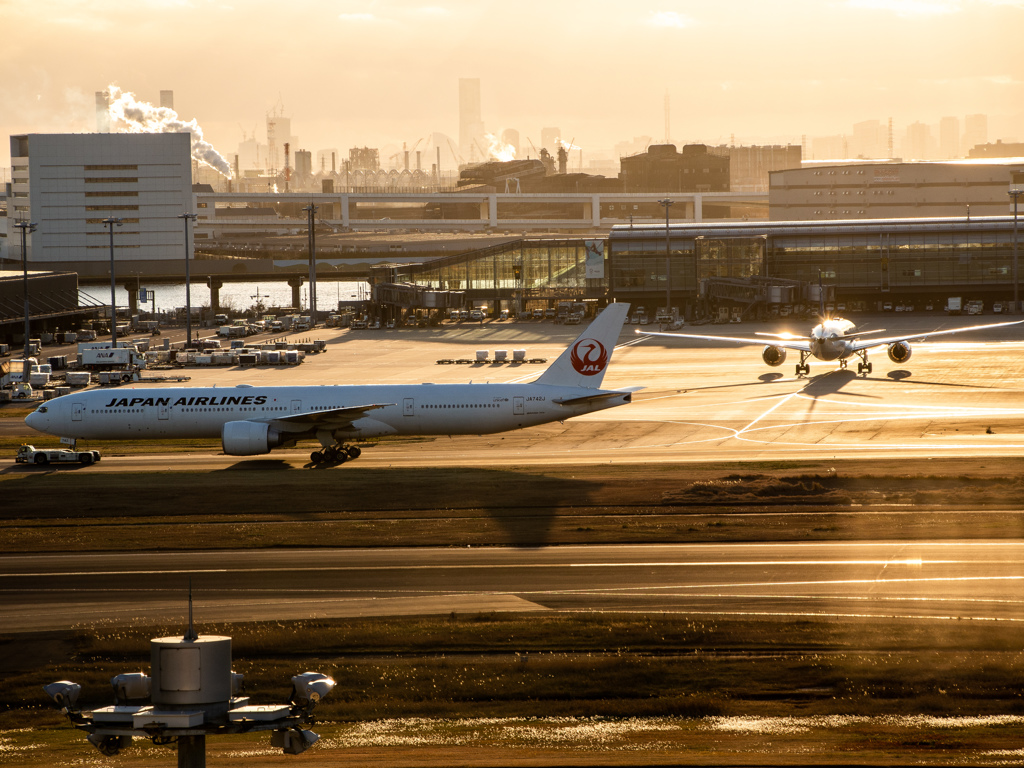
[(455, 153)]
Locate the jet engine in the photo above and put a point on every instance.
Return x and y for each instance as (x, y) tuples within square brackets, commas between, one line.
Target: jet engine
[(249, 438), (899, 351), (773, 356)]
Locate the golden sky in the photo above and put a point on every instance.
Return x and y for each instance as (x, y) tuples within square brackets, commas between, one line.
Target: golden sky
[(372, 72)]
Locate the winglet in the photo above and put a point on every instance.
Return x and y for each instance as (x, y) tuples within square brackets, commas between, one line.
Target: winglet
[(585, 361)]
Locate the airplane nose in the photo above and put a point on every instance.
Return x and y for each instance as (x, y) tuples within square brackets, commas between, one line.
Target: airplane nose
[(35, 420)]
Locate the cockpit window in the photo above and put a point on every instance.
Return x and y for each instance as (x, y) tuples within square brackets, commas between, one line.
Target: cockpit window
[(41, 409)]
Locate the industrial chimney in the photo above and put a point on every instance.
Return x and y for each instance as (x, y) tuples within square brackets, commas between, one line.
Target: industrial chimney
[(287, 167)]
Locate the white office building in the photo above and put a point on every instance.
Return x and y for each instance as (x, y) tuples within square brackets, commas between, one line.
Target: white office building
[(67, 184)]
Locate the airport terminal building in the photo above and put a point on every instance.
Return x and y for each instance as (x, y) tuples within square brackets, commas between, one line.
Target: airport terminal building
[(68, 183), (748, 266)]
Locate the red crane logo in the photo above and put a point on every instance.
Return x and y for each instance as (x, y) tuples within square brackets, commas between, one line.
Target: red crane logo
[(588, 357)]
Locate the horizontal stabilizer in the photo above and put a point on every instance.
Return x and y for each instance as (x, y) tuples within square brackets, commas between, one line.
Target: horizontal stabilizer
[(597, 396)]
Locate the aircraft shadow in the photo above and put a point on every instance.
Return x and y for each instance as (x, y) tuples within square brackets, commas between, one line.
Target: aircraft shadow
[(520, 509), (259, 465), (830, 383), (901, 374)]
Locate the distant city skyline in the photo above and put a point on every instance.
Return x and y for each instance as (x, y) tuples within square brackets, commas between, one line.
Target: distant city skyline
[(350, 74)]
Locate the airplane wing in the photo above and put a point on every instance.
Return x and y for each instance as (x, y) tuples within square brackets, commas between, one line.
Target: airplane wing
[(868, 343), (334, 416), (799, 344)]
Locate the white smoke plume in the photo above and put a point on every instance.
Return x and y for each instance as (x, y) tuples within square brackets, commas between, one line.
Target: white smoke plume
[(569, 146), (498, 150), (132, 116)]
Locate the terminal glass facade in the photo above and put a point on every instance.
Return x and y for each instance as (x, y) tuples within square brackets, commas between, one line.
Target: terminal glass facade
[(546, 267), (857, 257)]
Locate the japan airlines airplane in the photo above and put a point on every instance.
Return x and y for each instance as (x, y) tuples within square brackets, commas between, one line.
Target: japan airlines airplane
[(252, 420), (832, 339)]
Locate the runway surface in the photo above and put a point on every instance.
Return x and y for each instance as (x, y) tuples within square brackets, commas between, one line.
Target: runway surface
[(935, 581)]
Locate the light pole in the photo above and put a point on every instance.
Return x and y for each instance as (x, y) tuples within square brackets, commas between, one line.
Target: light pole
[(311, 212), (188, 280), (25, 228), (110, 222), (1015, 193), (668, 271)]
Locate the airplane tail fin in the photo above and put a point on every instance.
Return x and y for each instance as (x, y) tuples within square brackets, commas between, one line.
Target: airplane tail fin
[(585, 361)]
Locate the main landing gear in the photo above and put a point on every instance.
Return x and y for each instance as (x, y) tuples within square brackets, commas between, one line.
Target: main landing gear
[(335, 454), (802, 368), (863, 366)]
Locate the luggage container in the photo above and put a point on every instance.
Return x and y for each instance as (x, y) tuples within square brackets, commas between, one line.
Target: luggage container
[(61, 391), (248, 359), (500, 355), (518, 355), (274, 357), (39, 379), (292, 356), (49, 394), (58, 363), (481, 355), (78, 378)]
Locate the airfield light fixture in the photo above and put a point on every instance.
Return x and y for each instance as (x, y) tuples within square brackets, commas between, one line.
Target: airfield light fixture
[(110, 222), (186, 217), (160, 708)]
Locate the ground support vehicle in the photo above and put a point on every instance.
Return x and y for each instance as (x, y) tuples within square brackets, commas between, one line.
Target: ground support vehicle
[(29, 454)]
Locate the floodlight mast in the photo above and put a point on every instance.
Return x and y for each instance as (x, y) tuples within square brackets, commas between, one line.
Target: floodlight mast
[(188, 280), (25, 227)]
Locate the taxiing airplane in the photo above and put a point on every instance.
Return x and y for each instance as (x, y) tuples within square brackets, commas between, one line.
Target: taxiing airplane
[(252, 420), (832, 339)]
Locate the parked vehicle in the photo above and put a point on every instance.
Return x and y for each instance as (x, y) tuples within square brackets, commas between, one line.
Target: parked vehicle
[(29, 454)]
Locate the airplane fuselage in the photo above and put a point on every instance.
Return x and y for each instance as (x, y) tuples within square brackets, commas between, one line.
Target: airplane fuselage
[(412, 409), (828, 340)]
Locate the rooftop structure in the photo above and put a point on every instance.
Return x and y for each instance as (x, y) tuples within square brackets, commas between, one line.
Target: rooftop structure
[(890, 190)]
